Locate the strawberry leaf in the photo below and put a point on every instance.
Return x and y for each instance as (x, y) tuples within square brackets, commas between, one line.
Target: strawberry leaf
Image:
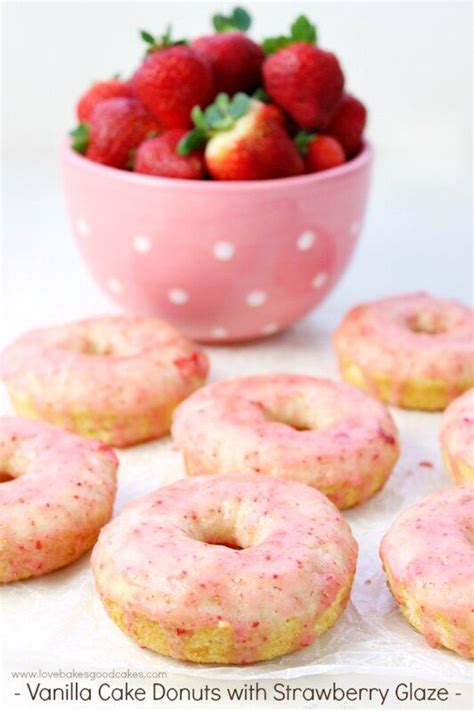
[(273, 44), (222, 101), (213, 115), (241, 19), (302, 141), (238, 20), (198, 118), (261, 95), (80, 136), (160, 43), (239, 105), (147, 37), (302, 30), (132, 155), (191, 141)]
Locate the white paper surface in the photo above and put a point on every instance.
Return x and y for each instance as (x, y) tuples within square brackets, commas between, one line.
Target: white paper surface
[(58, 620)]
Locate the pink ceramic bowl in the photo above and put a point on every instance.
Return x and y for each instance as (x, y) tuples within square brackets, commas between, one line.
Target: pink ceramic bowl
[(221, 261)]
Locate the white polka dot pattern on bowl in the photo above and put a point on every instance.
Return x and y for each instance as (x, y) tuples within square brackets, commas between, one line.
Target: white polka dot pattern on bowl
[(141, 244), (115, 285), (269, 328), (306, 240), (82, 227), (178, 296), (319, 280), (224, 251), (219, 332), (256, 298)]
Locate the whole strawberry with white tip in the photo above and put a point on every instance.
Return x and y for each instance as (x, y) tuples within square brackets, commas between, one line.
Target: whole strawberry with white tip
[(246, 140)]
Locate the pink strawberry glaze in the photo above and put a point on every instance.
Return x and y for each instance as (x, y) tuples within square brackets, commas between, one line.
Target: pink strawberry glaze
[(347, 448), (61, 493), (429, 555), (115, 367), (222, 261), (166, 556), (415, 336), (457, 434)]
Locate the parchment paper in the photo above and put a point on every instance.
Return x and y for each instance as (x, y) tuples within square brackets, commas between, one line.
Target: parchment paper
[(58, 620)]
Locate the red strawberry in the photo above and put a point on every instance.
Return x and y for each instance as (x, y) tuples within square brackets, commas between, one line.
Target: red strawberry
[(320, 152), (158, 156), (247, 140), (306, 82), (116, 127), (98, 92), (347, 124), (235, 60), (171, 80)]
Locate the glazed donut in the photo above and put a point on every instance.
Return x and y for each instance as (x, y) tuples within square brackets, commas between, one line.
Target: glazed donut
[(230, 569), (428, 556), (457, 438), (322, 433), (57, 492), (414, 351), (115, 378)]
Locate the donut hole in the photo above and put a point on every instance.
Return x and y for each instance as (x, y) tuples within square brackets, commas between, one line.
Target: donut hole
[(430, 323), (291, 414), (233, 526), (224, 542), (99, 338)]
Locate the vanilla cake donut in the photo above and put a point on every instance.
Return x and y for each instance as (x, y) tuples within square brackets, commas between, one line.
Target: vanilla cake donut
[(56, 492), (115, 378), (231, 569), (414, 351), (428, 556), (457, 438), (315, 431)]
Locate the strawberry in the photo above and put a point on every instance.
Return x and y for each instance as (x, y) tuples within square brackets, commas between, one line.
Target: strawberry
[(116, 127), (98, 92), (171, 80), (302, 79), (347, 124), (235, 59), (158, 156), (246, 140), (319, 151)]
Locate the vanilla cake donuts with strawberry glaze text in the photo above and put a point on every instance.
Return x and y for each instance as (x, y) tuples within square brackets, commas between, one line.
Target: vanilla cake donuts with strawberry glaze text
[(312, 430), (231, 569), (457, 438), (56, 492), (115, 378), (415, 351), (428, 556)]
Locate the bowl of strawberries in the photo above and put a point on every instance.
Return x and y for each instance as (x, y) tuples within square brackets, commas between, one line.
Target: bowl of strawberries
[(222, 186)]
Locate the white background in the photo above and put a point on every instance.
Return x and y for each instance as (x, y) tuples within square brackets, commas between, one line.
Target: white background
[(410, 63)]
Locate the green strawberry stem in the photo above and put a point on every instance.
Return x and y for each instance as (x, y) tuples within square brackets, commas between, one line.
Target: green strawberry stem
[(302, 30), (80, 136), (219, 116), (161, 42), (302, 141), (239, 19)]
